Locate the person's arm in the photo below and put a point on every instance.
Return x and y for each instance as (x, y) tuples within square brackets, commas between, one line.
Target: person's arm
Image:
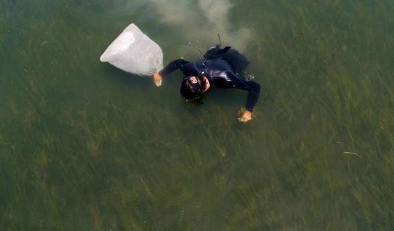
[(253, 95), (171, 67), (251, 100), (232, 80)]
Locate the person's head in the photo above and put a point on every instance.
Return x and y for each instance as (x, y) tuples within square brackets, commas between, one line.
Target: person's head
[(192, 88)]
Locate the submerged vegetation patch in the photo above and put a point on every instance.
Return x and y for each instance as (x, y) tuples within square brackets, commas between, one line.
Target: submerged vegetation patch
[(84, 146)]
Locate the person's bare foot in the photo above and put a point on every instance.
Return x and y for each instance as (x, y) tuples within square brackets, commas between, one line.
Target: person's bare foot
[(245, 117)]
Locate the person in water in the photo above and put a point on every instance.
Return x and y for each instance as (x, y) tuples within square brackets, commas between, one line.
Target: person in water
[(220, 68)]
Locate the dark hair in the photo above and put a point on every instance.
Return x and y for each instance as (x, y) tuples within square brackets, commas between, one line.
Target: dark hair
[(192, 91)]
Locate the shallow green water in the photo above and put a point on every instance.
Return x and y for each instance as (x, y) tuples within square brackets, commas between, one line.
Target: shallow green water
[(84, 146)]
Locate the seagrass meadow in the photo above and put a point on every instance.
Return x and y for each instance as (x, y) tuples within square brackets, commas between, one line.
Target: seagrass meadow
[(87, 147)]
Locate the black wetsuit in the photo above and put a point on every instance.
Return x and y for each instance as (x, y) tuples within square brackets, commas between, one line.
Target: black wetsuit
[(219, 73)]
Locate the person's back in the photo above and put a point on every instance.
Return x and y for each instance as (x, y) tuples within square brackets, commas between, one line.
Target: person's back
[(237, 61)]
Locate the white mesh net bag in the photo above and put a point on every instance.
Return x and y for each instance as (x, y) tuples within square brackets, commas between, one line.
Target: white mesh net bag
[(134, 52)]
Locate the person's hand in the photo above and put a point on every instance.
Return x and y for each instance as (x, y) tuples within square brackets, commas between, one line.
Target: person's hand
[(207, 84), (157, 79), (245, 117)]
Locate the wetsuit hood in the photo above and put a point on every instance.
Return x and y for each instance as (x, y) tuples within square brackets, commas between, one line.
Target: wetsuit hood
[(191, 88)]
